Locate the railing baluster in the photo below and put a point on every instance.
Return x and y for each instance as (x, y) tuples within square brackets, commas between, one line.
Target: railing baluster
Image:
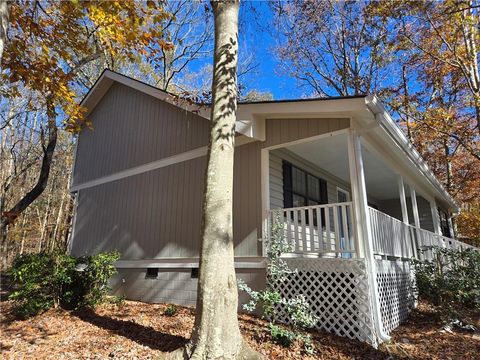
[(337, 230), (304, 230), (345, 228), (295, 230), (328, 240), (311, 227), (319, 229), (289, 226)]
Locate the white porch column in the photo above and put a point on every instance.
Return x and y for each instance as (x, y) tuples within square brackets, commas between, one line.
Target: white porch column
[(403, 200), (435, 218), (416, 219), (357, 182), (363, 225), (450, 227)]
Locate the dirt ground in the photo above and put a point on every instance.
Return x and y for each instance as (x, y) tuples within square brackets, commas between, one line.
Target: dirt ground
[(136, 330)]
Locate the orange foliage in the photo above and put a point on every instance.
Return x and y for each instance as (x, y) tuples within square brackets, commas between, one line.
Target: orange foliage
[(49, 41)]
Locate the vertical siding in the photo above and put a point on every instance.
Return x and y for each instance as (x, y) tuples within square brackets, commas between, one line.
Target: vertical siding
[(280, 131), (130, 129), (247, 203), (150, 215), (158, 213)]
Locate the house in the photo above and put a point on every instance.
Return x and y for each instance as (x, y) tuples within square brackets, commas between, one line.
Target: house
[(336, 176)]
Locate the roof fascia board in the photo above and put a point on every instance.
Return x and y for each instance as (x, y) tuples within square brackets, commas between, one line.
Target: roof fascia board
[(386, 122)]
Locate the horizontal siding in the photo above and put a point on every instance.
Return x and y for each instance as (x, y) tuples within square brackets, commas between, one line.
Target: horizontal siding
[(393, 208), (129, 129), (276, 177), (425, 214)]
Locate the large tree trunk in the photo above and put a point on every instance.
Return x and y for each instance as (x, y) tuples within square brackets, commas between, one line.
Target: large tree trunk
[(3, 26), (216, 334)]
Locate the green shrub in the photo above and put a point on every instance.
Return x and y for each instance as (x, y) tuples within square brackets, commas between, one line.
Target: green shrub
[(269, 300), (451, 279), (48, 280), (41, 281), (171, 310), (91, 280)]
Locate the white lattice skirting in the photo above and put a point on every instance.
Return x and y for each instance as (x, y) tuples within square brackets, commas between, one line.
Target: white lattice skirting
[(396, 292), (338, 292)]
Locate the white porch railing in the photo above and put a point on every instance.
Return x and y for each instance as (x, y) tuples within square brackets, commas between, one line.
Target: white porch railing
[(328, 230), (319, 229), (392, 237)]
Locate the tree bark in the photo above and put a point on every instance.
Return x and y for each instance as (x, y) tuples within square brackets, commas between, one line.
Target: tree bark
[(3, 26), (216, 334)]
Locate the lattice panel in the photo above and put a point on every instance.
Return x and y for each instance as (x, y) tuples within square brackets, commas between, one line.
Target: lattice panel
[(396, 292), (337, 290)]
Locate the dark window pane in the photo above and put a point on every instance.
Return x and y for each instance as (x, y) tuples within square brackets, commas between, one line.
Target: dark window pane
[(298, 181), (298, 200), (342, 197), (313, 187)]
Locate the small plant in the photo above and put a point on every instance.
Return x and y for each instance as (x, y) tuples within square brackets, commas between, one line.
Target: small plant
[(281, 335), (269, 300), (171, 310), (116, 300), (48, 280)]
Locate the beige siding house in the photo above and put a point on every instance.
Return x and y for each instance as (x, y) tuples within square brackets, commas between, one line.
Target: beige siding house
[(337, 176)]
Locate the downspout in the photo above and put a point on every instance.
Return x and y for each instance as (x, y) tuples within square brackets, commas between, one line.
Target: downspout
[(368, 247)]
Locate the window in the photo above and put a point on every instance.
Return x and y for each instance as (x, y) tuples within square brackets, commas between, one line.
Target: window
[(303, 189), (444, 223)]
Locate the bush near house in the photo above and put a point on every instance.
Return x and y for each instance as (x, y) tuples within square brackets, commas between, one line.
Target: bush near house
[(269, 300), (46, 280), (451, 280)]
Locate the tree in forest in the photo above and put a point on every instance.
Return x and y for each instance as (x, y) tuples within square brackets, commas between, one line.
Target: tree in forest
[(420, 57), (216, 333), (330, 47), (439, 96), (48, 43)]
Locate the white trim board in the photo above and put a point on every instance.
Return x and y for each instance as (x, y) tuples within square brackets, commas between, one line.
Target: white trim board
[(188, 263), (157, 164), (188, 155)]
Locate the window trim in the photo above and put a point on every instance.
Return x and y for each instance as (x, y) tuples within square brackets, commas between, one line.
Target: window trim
[(291, 192), (339, 189)]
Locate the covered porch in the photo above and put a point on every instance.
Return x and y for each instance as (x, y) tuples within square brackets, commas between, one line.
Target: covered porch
[(339, 196)]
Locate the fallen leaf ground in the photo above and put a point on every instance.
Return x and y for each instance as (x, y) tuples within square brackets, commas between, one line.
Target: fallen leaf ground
[(137, 330)]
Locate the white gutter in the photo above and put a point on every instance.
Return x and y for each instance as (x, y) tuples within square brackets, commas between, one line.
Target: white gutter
[(383, 118)]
